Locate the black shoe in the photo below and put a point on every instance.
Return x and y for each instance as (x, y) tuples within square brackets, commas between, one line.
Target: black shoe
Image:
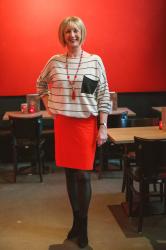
[(82, 242), (83, 236)]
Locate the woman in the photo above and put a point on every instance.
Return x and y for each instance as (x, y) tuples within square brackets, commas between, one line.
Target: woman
[(78, 94)]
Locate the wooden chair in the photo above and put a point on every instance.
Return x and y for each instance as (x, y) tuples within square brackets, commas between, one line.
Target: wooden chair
[(5, 139), (130, 156), (27, 143), (150, 169)]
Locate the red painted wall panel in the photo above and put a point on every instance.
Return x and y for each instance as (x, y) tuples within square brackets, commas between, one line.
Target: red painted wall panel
[(129, 35)]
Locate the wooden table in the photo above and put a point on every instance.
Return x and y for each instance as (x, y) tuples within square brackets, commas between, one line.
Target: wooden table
[(126, 135), (44, 114), (159, 109)]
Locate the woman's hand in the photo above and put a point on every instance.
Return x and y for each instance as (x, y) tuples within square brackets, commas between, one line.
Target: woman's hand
[(49, 113), (102, 135)]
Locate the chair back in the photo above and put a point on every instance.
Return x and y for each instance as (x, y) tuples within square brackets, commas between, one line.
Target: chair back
[(117, 120), (143, 122), (26, 128), (150, 153), (162, 154)]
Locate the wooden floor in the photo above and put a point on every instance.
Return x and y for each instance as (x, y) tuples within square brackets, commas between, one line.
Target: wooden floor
[(37, 216)]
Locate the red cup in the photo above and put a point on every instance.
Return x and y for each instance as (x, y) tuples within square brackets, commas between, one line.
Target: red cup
[(24, 107), (31, 108), (160, 125)]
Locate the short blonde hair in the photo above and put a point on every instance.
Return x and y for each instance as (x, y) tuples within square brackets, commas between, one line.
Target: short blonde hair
[(70, 21)]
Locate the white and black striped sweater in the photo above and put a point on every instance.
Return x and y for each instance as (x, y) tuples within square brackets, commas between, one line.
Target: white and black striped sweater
[(91, 87)]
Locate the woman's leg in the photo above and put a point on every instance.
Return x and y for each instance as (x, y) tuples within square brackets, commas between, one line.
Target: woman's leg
[(84, 197), (79, 191), (71, 184), (84, 191)]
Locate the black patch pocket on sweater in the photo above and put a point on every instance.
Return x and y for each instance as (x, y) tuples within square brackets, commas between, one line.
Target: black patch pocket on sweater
[(88, 85)]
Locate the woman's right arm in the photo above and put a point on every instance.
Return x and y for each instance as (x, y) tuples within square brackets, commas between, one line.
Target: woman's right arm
[(45, 101), (42, 84)]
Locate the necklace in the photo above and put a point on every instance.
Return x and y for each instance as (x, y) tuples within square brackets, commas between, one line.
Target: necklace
[(73, 94)]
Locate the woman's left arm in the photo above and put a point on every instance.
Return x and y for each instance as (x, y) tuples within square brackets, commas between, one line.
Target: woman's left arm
[(104, 104), (102, 132)]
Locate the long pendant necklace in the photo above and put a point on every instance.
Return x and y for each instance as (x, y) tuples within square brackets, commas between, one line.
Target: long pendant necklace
[(72, 83)]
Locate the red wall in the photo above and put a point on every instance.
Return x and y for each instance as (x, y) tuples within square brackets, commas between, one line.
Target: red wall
[(129, 35)]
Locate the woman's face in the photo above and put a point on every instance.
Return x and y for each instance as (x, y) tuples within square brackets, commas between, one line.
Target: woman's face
[(72, 36)]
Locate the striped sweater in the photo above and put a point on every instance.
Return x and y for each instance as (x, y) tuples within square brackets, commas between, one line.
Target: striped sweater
[(91, 87)]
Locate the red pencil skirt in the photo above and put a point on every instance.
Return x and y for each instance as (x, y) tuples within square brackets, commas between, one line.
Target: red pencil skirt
[(75, 142)]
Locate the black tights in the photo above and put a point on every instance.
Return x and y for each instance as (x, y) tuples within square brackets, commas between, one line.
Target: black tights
[(78, 184)]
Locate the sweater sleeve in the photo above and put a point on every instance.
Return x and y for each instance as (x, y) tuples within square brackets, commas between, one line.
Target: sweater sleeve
[(43, 80), (103, 95)]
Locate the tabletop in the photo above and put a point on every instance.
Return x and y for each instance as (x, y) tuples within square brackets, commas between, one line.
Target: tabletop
[(126, 135), (159, 109), (46, 115), (120, 110)]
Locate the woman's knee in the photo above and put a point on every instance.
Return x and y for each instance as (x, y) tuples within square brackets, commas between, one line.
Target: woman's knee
[(83, 176)]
